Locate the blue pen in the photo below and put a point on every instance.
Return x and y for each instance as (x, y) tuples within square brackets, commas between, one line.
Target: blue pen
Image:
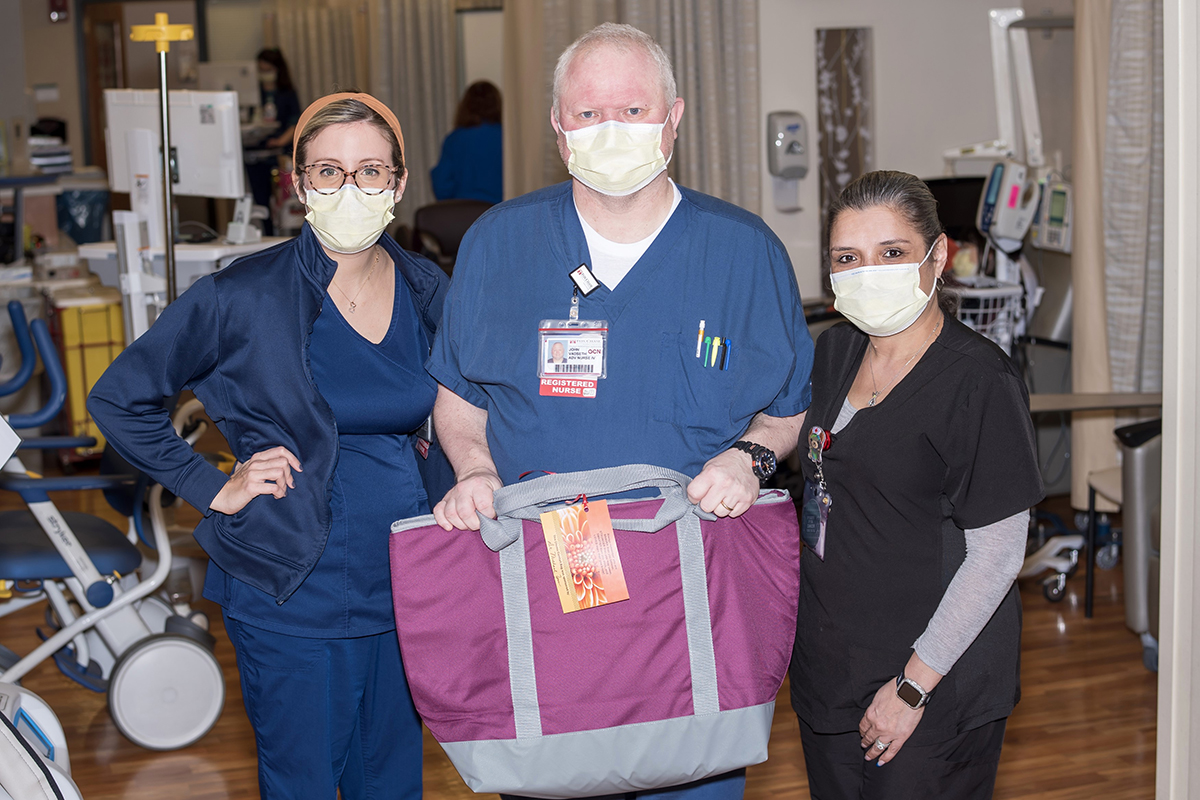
[(728, 345)]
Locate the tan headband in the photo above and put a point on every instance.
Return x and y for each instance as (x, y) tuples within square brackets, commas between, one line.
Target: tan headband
[(365, 99)]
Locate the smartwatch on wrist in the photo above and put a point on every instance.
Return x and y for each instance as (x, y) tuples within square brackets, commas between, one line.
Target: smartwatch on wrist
[(762, 459), (910, 692)]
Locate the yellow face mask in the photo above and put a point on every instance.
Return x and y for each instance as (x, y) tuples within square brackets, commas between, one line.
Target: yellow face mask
[(881, 300), (349, 220), (616, 158)]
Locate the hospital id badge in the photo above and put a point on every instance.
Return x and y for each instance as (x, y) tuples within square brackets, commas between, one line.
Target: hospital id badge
[(814, 514), (572, 356)]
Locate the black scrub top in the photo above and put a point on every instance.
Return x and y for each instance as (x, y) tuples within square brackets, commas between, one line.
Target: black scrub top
[(950, 448)]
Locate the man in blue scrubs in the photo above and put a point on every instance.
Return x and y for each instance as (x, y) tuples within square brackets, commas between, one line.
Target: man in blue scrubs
[(688, 350)]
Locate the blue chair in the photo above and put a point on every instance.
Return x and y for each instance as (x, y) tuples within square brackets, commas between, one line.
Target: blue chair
[(115, 632)]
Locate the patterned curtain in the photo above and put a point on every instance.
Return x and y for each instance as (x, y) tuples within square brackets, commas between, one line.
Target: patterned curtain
[(844, 112), (713, 45)]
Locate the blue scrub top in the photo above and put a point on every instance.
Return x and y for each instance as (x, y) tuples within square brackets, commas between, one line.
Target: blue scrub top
[(472, 165), (659, 404), (379, 394)]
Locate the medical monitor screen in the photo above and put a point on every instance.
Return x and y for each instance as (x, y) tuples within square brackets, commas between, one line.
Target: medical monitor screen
[(205, 135), (1058, 207)]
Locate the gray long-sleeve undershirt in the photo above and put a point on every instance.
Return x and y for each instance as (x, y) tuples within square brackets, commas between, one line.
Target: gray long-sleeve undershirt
[(995, 554)]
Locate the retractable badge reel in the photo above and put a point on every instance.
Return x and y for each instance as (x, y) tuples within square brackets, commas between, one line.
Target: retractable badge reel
[(815, 503), (573, 352)]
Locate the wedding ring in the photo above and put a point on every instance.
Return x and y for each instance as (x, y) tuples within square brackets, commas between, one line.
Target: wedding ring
[(727, 505), (881, 746)]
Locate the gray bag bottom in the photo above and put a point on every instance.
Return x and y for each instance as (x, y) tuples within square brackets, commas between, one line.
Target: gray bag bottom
[(629, 758)]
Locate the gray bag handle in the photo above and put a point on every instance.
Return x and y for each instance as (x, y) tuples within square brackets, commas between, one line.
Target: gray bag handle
[(528, 500)]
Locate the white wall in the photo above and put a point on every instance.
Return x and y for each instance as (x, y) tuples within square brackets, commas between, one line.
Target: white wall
[(15, 100), (1178, 773), (481, 48), (932, 90), (50, 61)]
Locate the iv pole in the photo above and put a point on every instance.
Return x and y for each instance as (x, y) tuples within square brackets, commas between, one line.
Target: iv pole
[(162, 34)]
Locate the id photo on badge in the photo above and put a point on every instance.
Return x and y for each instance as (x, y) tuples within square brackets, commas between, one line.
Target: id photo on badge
[(571, 355)]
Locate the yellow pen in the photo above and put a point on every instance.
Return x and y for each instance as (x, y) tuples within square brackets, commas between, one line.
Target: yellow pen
[(716, 348)]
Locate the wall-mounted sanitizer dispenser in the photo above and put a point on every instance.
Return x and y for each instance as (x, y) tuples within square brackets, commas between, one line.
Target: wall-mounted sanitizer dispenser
[(787, 156)]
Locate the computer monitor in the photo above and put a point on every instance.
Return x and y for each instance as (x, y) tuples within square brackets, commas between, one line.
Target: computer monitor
[(233, 76), (205, 135)]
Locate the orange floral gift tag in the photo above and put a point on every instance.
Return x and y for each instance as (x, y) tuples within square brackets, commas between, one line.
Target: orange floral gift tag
[(583, 556)]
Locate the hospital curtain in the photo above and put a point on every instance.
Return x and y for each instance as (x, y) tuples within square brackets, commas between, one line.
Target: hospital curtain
[(405, 52), (1092, 445), (1117, 264), (323, 41), (1133, 197), (713, 45), (414, 70)]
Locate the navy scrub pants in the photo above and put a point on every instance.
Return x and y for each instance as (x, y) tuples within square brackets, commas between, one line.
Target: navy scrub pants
[(962, 768), (329, 714)]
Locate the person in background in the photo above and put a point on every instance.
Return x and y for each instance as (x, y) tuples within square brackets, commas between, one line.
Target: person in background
[(280, 110), (920, 469), (309, 357), (471, 166)]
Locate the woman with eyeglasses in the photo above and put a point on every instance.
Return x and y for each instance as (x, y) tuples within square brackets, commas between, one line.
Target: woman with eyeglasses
[(309, 357)]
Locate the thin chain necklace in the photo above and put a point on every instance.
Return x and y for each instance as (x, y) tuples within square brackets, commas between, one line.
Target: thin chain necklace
[(871, 365), (366, 280)]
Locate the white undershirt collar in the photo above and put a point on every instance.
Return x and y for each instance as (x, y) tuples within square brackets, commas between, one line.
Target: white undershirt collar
[(612, 261)]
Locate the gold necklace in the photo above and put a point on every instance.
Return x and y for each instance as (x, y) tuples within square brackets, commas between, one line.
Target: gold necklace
[(871, 365), (370, 272)]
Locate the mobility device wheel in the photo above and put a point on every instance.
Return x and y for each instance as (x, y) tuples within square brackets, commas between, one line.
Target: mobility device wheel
[(1108, 555), (1054, 588), (166, 692)]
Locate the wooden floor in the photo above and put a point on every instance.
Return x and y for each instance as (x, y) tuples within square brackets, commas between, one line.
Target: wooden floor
[(1084, 729)]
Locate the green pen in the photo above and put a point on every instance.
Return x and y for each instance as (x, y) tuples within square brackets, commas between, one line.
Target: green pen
[(707, 345)]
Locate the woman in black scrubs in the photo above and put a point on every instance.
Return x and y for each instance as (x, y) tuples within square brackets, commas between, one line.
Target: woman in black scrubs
[(920, 470)]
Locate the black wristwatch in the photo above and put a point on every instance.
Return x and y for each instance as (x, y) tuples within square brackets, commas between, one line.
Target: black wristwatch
[(762, 458), (910, 692)]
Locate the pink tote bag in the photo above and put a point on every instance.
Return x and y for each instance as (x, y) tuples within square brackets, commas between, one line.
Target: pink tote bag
[(675, 684)]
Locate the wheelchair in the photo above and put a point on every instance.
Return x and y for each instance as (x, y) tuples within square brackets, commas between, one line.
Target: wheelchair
[(117, 631)]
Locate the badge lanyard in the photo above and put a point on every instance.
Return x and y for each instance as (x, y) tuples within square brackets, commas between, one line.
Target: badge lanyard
[(816, 502), (573, 352)]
